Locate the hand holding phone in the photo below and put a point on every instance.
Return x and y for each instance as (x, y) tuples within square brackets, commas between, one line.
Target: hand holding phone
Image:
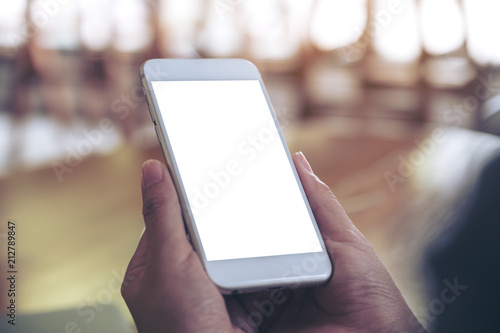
[(167, 289)]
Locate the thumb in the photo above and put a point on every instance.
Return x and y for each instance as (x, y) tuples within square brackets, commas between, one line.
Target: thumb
[(166, 236)]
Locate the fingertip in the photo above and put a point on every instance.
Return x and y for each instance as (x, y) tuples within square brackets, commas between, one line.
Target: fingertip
[(155, 198), (331, 217), (152, 173), (302, 161)]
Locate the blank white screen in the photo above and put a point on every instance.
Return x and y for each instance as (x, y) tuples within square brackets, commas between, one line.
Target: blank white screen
[(241, 188)]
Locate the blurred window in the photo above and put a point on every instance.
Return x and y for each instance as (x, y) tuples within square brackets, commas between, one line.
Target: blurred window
[(337, 23), (56, 24), (95, 24), (178, 23), (483, 25), (12, 23), (394, 30), (132, 24), (442, 25)]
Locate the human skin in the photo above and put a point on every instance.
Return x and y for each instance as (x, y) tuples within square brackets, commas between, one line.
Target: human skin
[(167, 289)]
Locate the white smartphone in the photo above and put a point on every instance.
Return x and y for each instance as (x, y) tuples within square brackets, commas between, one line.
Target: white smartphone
[(242, 201)]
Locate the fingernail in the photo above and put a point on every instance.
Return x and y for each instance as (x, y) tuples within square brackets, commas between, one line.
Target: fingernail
[(304, 162), (152, 173)]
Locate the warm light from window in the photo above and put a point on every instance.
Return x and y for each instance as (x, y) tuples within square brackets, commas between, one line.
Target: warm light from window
[(442, 25), (12, 18), (178, 22), (483, 26), (55, 24), (132, 26), (267, 23), (298, 13), (395, 30), (179, 12), (219, 36), (337, 23), (95, 25)]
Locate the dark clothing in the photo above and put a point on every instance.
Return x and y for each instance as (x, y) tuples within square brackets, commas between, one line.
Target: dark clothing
[(468, 255)]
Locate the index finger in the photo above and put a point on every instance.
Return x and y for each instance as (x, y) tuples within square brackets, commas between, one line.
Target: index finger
[(332, 220)]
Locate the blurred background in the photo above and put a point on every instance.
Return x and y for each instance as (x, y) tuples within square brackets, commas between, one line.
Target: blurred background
[(395, 102)]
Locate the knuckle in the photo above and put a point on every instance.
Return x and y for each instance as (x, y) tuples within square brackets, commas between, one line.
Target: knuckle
[(153, 205), (325, 193), (124, 291), (325, 189)]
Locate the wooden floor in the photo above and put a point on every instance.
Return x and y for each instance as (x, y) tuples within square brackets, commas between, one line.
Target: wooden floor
[(75, 237)]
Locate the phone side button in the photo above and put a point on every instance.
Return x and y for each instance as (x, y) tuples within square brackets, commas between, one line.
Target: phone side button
[(149, 109), (159, 140)]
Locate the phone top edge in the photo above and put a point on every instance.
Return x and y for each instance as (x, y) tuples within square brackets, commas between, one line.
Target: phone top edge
[(170, 69)]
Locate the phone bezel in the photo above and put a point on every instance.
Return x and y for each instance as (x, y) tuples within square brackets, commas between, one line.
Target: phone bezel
[(233, 275)]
